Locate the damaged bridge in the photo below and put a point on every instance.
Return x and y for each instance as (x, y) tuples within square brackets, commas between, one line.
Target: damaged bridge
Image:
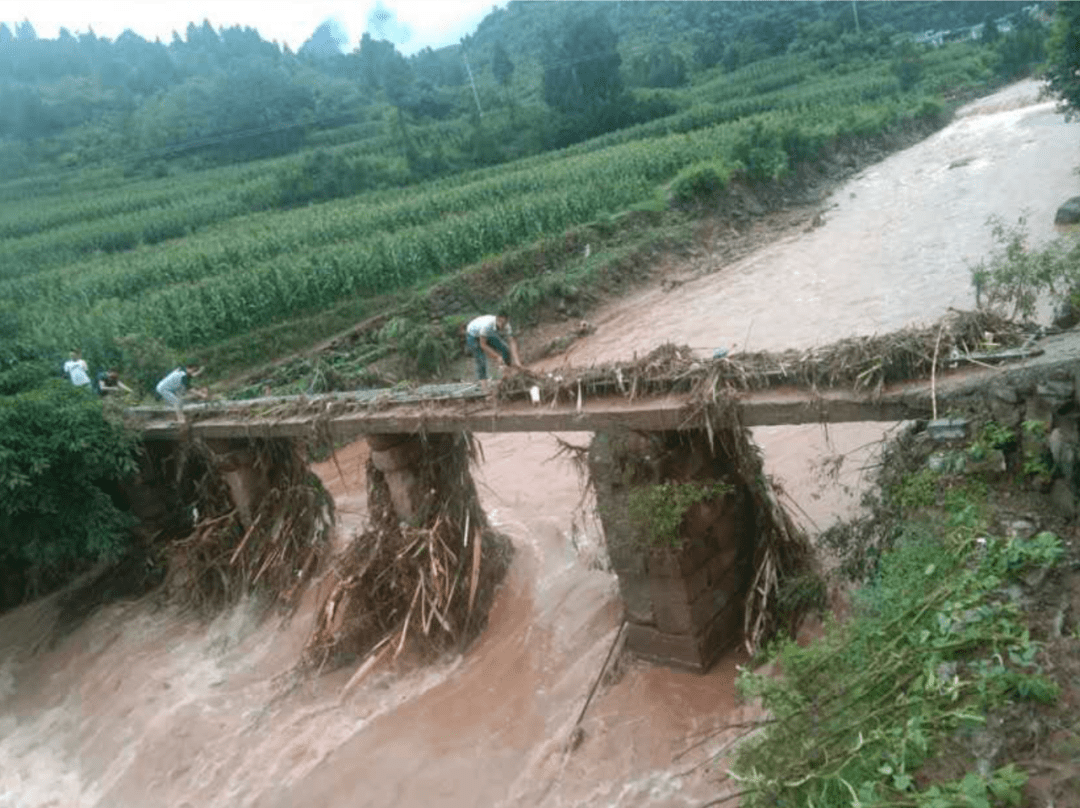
[(668, 428), (469, 407)]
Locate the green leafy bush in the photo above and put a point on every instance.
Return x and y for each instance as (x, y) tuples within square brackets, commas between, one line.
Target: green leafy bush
[(26, 375), (426, 347), (759, 148), (700, 182), (1016, 276), (931, 650), (659, 509), (59, 458)]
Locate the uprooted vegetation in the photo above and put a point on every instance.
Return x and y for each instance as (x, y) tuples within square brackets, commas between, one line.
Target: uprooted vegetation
[(428, 581), (864, 364), (265, 532)]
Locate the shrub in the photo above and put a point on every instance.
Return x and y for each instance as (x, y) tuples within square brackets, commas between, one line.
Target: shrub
[(660, 508), (699, 183), (932, 648), (759, 149), (59, 457), (1015, 276), (426, 347)]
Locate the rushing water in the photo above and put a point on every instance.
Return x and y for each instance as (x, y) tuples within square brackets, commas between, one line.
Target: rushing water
[(141, 707)]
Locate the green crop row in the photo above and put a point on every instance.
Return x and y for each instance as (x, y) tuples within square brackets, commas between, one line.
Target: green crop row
[(260, 237), (309, 277)]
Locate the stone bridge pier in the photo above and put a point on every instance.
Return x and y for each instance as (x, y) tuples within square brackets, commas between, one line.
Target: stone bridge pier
[(164, 490), (248, 477), (398, 458), (684, 597)]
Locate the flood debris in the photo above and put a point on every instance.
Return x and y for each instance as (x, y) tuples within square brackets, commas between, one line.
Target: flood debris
[(425, 584), (865, 364), (261, 523)]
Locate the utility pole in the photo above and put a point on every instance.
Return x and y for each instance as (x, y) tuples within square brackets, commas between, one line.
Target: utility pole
[(476, 95)]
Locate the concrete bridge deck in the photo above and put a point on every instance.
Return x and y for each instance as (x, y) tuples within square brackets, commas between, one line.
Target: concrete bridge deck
[(467, 406), (431, 409)]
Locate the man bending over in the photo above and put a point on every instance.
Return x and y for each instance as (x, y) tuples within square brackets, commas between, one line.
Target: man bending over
[(490, 335)]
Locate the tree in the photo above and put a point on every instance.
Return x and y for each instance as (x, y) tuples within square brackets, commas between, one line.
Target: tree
[(59, 458), (581, 77), (1063, 58), (1022, 48), (327, 42), (501, 66), (661, 67)]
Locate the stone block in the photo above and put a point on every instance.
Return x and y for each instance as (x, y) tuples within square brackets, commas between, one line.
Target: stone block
[(634, 589), (383, 442), (1063, 498), (1038, 408), (1005, 394), (693, 652), (697, 583), (1006, 414), (695, 555), (945, 429), (706, 607), (1063, 450), (993, 463), (724, 632), (406, 493), (248, 485), (664, 563), (720, 563), (670, 605), (1055, 393), (727, 532), (682, 650), (403, 456), (1069, 426)]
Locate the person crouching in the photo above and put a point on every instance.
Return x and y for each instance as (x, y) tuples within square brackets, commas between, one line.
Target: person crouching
[(175, 387)]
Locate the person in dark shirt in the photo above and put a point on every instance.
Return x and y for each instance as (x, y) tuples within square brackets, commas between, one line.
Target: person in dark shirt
[(109, 384)]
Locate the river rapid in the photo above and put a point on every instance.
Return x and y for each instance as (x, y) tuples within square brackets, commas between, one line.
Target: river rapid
[(142, 707)]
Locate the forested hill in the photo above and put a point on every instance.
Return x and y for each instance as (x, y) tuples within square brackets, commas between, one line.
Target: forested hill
[(534, 76)]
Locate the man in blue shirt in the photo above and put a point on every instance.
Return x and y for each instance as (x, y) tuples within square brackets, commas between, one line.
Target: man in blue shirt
[(174, 387)]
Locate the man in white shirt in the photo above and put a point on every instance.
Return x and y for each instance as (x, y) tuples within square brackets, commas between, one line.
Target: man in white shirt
[(77, 370), (490, 335)]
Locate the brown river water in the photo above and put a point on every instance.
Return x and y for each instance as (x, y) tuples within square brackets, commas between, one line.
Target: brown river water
[(141, 707)]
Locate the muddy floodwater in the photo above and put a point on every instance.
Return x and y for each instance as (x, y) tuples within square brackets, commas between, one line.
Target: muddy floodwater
[(141, 707)]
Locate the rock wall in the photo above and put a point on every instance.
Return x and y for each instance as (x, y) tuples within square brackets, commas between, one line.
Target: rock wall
[(1039, 411), (684, 603)]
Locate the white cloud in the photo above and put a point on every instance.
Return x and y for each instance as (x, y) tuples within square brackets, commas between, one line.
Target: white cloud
[(430, 23)]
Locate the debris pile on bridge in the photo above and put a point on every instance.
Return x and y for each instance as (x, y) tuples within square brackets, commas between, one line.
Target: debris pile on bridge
[(262, 523), (782, 553), (426, 584), (860, 363)]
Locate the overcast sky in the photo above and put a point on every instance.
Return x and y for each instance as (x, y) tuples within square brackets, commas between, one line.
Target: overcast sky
[(410, 24)]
